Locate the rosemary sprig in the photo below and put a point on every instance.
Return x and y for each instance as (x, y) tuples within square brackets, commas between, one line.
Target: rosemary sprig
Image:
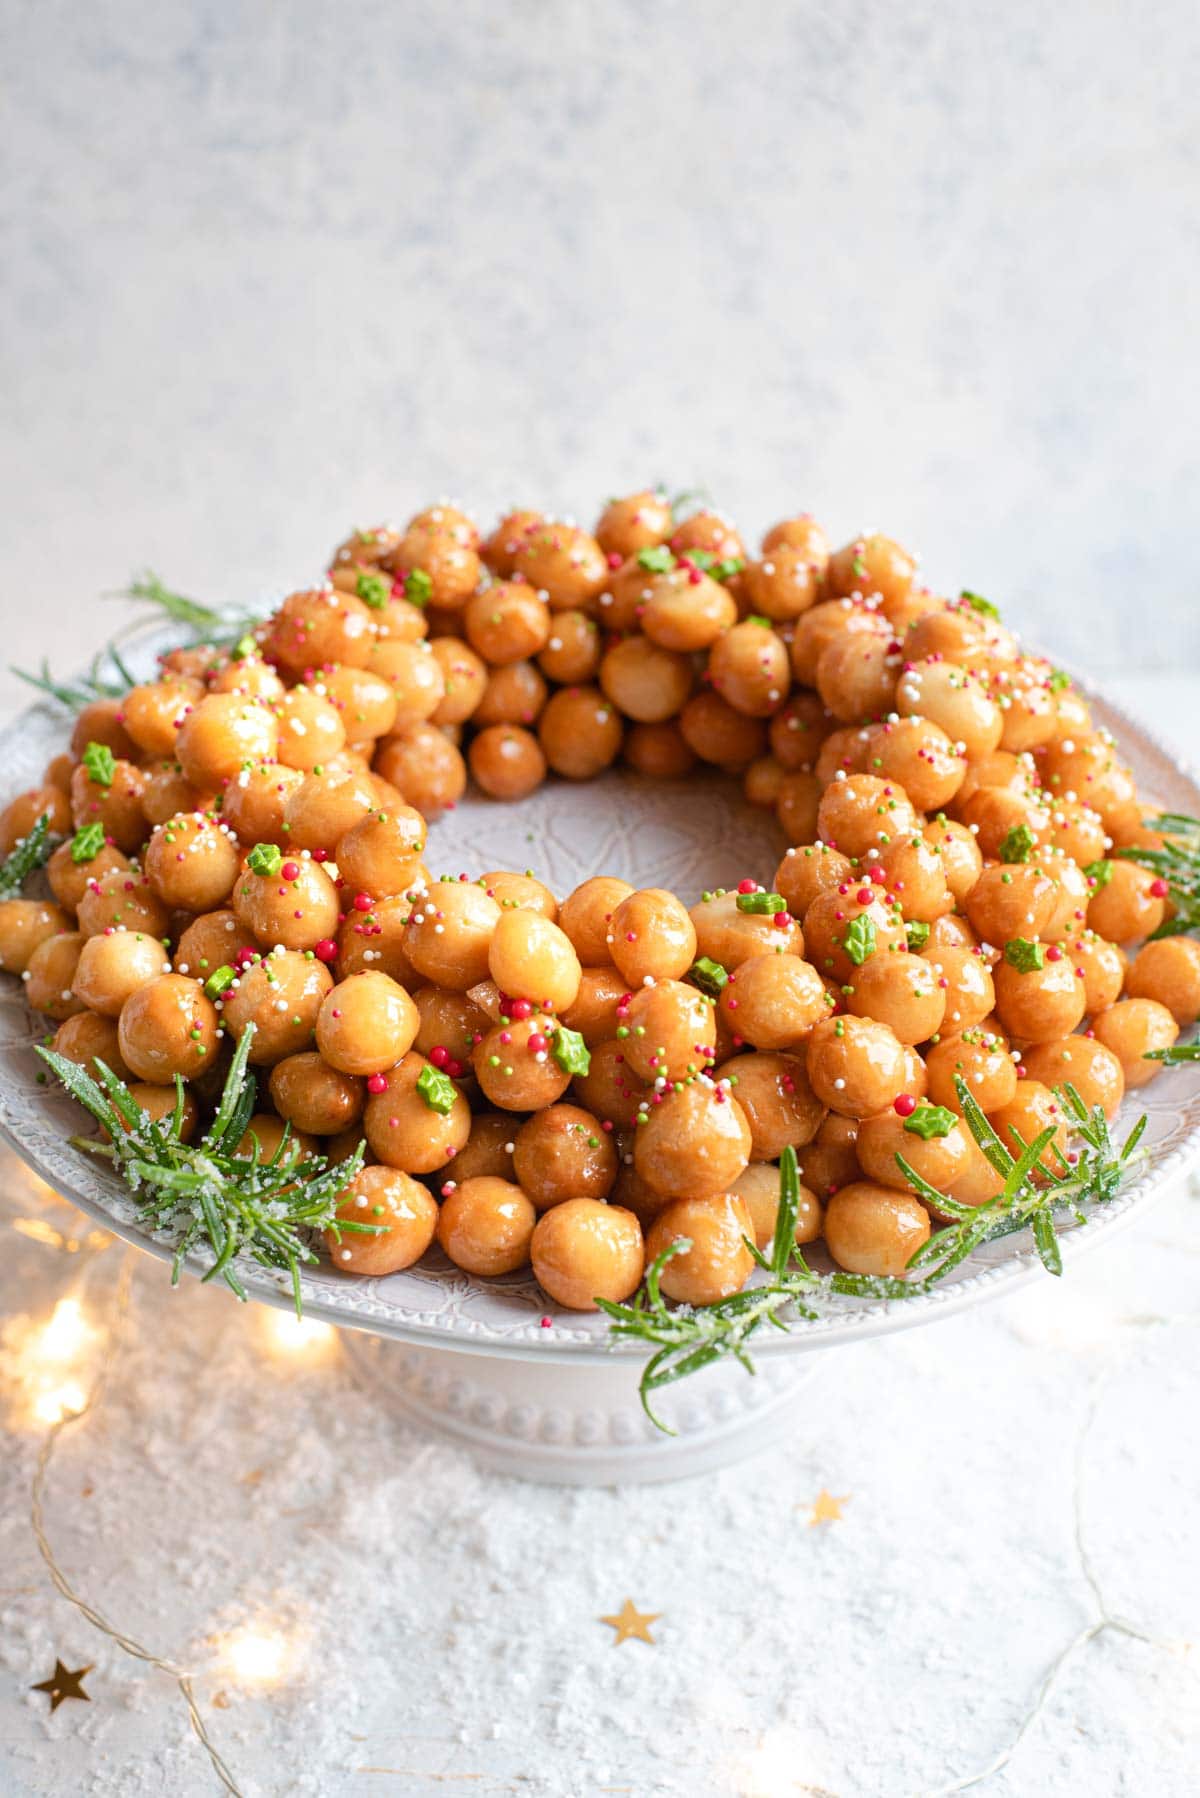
[(1178, 863), (152, 591), (30, 853), (686, 1339), (93, 685), (1176, 1056), (230, 1203)]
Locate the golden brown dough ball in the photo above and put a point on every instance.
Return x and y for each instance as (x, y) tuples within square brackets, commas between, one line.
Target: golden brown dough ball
[(292, 903), (168, 1027), (381, 854), (758, 1189), (684, 610), (69, 878), (728, 933), (779, 1105), (120, 899), (485, 1226), (872, 563), (415, 677), (842, 925), (464, 674), (50, 976), (320, 626), (797, 731), (856, 676), (586, 915), (797, 806), (917, 754), (610, 1088), (939, 1159), (87, 1038), (762, 782), (256, 799), (102, 721), (110, 969), (749, 669), (515, 694), (436, 567), (718, 733), (1169, 972), (365, 701), (223, 734), (531, 958), (263, 1138), (450, 1024), (800, 532), (446, 519), (696, 1140), (1040, 1004), (450, 933), (978, 1056), (954, 699), (863, 813), (320, 808), (902, 991), (808, 870), (1008, 902), (1083, 1063), (192, 862), (669, 1031), (158, 1103), (280, 994), (516, 1065), (830, 1160), (519, 892), (377, 939), (422, 763), (489, 1149), (499, 550), (785, 582), (316, 1098), (871, 1229), (824, 624), (506, 761), (1103, 966), (507, 622), (638, 521), (959, 852), (404, 1215), (773, 1001), (599, 1005), (113, 800), (572, 650), (366, 1023), (915, 872), (1086, 768), (22, 813), (716, 1262), (966, 980), (644, 681), (651, 937), (564, 1153), (584, 1250), (405, 1129), (855, 1065), (709, 531), (1131, 1028), (154, 711), (580, 732), (564, 563), (1126, 902), (311, 731), (1032, 1109)]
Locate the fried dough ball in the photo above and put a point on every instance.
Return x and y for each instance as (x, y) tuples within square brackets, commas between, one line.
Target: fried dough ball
[(507, 622), (584, 1250), (223, 734), (938, 1159), (267, 1136), (856, 676), (651, 937), (365, 701), (89, 1037), (121, 899), (366, 1023), (519, 892), (586, 916), (110, 969), (915, 872), (644, 681), (101, 721), (50, 975), (562, 562), (323, 625), (1131, 1029), (404, 1130), (797, 805), (22, 813), (580, 732), (1008, 902), (599, 1005), (758, 1189), (872, 1229), (902, 991), (684, 610), (1127, 903), (506, 761), (917, 754), (24, 925), (779, 1105), (69, 878), (168, 1027), (192, 862), (965, 978), (800, 532), (1169, 972), (1032, 1109), (464, 675), (500, 548), (531, 958), (154, 711), (485, 1226), (830, 1160), (1079, 1061), (871, 564), (959, 852), (158, 1103), (315, 1097), (489, 1148), (718, 733), (516, 1066), (610, 1088), (856, 1066), (572, 651), (564, 1153), (311, 731), (638, 521), (378, 939), (1038, 1005), (981, 1059), (255, 802), (668, 1030), (321, 808), (415, 676), (823, 624), (729, 934), (450, 934), (280, 994), (515, 694), (296, 905), (713, 1261), (404, 1215), (709, 531), (773, 1001), (787, 581), (696, 1141), (381, 854), (862, 813), (950, 696), (749, 669), (114, 801), (807, 871), (423, 764), (838, 922), (210, 941)]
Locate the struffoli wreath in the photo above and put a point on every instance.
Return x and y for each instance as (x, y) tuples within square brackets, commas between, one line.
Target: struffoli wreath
[(906, 1038)]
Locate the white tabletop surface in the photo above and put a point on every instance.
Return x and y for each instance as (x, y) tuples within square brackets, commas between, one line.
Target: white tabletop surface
[(1013, 1480)]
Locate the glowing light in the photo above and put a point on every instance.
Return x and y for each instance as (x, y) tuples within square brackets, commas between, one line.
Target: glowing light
[(299, 1335), (256, 1656), (56, 1402), (64, 1336)]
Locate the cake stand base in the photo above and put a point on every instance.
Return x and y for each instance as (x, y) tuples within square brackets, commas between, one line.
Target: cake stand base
[(581, 1425)]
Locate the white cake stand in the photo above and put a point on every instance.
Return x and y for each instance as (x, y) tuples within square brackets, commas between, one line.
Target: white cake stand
[(534, 1390)]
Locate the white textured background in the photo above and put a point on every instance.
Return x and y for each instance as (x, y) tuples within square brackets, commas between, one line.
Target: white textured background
[(271, 269)]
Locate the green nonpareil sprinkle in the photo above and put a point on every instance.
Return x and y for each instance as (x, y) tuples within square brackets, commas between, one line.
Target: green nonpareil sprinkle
[(1024, 956), (917, 932), (979, 604), (658, 559), (437, 1089), (100, 763), (87, 843), (859, 566), (930, 1120), (244, 648), (418, 587), (860, 940), (570, 1051), (709, 976), (373, 590), (1018, 844), (29, 854), (220, 981), (1099, 872), (1059, 681), (265, 859), (757, 618), (761, 904), (727, 567)]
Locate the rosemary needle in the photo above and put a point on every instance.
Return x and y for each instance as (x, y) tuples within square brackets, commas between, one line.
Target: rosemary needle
[(30, 853)]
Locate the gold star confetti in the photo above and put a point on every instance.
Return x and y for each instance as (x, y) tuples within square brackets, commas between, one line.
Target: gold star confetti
[(62, 1684), (630, 1623), (826, 1508)]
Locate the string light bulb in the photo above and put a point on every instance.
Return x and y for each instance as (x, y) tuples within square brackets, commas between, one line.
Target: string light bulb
[(256, 1656), (294, 1335)]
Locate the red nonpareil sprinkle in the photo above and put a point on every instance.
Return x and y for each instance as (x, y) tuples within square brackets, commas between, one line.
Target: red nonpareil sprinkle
[(244, 957), (547, 1323), (439, 1056), (1054, 953), (864, 895), (325, 950), (1159, 888), (376, 1083), (320, 855), (879, 878), (538, 1043), (614, 561), (746, 886), (454, 1069), (506, 1038), (781, 920), (904, 1105), (363, 902), (290, 870), (520, 1009)]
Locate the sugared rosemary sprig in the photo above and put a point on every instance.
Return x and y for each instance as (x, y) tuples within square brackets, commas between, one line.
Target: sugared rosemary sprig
[(686, 1338), (229, 1202), (30, 853), (1178, 863), (95, 684), (153, 591)]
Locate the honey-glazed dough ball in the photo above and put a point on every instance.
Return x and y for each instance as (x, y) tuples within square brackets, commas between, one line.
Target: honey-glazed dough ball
[(572, 651), (1128, 904), (381, 854), (773, 1001), (855, 1065), (801, 532), (917, 754), (580, 732), (311, 731), (422, 763), (101, 721), (822, 624), (749, 668), (1008, 902), (798, 804), (520, 892), (366, 1023), (50, 976), (321, 626), (1087, 768), (295, 905), (668, 1030), (872, 563), (978, 1056), (365, 701), (223, 734), (405, 1215), (564, 1153), (120, 899), (758, 1189), (1103, 966), (154, 711), (941, 1160), (717, 732), (450, 933), (599, 1008), (376, 939), (24, 925), (89, 1037), (168, 1027), (966, 980), (404, 1130), (515, 694), (192, 862), (507, 622), (313, 1096), (1032, 1109), (952, 697), (564, 563), (863, 813), (584, 1250), (872, 1229), (1131, 1029), (685, 610), (779, 1105), (516, 1066), (797, 731), (489, 1150), (808, 870), (69, 878), (485, 1226), (22, 813), (638, 521), (158, 1103), (115, 803), (501, 547), (915, 872), (255, 802), (696, 1141), (110, 969), (449, 1027), (960, 854), (1043, 1003), (730, 935), (716, 1263), (464, 674), (902, 991), (531, 958), (586, 916), (1168, 971), (263, 1137), (836, 918), (610, 1088), (856, 677), (710, 531), (365, 548), (644, 681), (280, 994), (448, 568), (320, 808), (762, 782), (830, 1160), (784, 583), (506, 761), (1083, 1063), (415, 677), (652, 937)]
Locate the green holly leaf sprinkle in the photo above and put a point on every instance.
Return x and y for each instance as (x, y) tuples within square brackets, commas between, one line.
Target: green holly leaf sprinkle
[(860, 939), (930, 1120), (374, 590), (917, 932), (1018, 845), (87, 843), (761, 904), (570, 1051), (100, 763), (658, 559), (708, 975), (977, 603), (265, 858), (437, 1089), (1024, 956), (418, 587), (220, 981)]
